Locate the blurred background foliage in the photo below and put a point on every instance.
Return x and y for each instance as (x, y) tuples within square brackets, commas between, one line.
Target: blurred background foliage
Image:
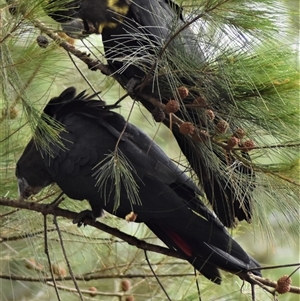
[(31, 75)]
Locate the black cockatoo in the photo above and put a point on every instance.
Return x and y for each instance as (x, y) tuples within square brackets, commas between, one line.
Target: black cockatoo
[(151, 40), (165, 198)]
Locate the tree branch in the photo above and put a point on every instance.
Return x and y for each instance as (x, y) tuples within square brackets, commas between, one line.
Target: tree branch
[(89, 277), (83, 56), (46, 209), (91, 293), (271, 283)]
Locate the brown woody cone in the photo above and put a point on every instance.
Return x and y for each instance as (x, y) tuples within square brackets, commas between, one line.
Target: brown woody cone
[(125, 285), (248, 145), (172, 106), (11, 113), (129, 298), (283, 284), (158, 114), (200, 136), (186, 128), (93, 290), (232, 142), (200, 101), (183, 92), (210, 114), (239, 133), (42, 41), (222, 126), (30, 263), (59, 271)]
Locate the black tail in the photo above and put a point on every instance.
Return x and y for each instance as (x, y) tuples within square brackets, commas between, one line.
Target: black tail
[(207, 256)]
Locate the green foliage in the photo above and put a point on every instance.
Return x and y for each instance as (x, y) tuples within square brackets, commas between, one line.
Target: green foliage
[(116, 169), (251, 77)]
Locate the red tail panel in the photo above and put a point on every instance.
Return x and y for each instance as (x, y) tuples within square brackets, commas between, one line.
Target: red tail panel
[(180, 243)]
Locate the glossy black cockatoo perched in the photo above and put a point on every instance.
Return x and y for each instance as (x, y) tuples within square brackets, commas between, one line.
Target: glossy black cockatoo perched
[(165, 198), (133, 32), (151, 43)]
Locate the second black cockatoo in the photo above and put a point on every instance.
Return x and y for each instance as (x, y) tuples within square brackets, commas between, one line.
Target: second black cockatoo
[(84, 162), (150, 39)]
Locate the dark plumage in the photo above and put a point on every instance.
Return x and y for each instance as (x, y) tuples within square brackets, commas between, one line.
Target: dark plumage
[(169, 200), (134, 34)]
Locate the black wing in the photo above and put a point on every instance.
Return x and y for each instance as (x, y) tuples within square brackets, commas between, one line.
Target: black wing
[(90, 136), (133, 35)]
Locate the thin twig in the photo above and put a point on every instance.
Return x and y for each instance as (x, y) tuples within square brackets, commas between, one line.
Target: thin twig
[(48, 257), (23, 236), (294, 272), (156, 277), (66, 258), (275, 267), (92, 293), (123, 130), (121, 98), (252, 292), (262, 285), (82, 74), (57, 200), (269, 146), (197, 285)]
